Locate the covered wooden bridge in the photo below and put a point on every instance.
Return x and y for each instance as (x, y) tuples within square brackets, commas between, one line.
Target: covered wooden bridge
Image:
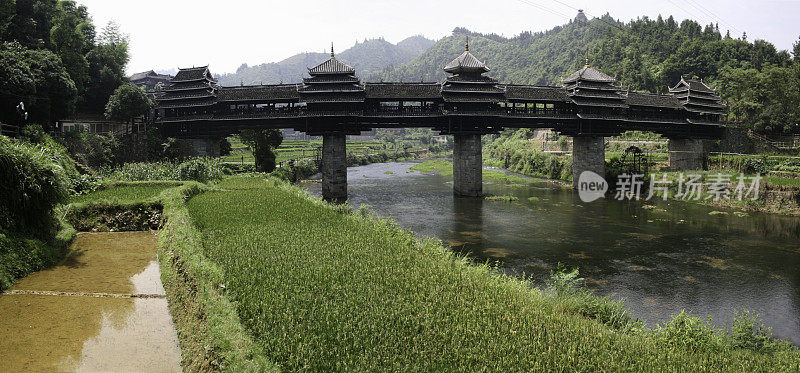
[(332, 102)]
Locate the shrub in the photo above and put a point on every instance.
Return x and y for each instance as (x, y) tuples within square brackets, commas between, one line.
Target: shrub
[(95, 151), (35, 179), (689, 332), (200, 169), (197, 169), (749, 332), (567, 288), (565, 280)]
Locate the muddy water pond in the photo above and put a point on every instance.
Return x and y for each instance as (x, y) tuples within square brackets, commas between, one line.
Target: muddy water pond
[(659, 257), (101, 309)]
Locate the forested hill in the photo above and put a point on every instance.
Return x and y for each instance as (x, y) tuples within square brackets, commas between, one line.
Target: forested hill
[(368, 58), (760, 83)]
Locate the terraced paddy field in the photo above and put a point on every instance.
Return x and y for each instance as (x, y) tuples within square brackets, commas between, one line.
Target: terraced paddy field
[(102, 309), (319, 288)]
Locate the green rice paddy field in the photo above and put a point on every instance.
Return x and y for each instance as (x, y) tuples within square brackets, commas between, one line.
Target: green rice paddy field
[(292, 149), (321, 289)]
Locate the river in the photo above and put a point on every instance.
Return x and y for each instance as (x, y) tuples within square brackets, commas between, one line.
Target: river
[(660, 257)]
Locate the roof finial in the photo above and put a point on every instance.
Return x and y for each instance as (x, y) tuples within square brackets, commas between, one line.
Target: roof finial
[(332, 50), (587, 59), (466, 47)]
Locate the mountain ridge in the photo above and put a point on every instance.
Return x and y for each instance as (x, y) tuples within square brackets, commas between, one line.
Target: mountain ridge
[(369, 57)]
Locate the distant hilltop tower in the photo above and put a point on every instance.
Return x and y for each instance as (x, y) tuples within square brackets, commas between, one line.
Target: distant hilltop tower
[(581, 17)]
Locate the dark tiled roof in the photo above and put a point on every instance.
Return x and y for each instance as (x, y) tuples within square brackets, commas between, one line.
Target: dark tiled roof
[(646, 99), (519, 92), (190, 74), (466, 63), (472, 88), (704, 110), (598, 102), (596, 94), (403, 90), (696, 95), (471, 79), (472, 97), (588, 74), (333, 98), (331, 66), (262, 92), (148, 74), (705, 104), (178, 95), (338, 87), (693, 85), (180, 86), (331, 79), (592, 85), (187, 103)]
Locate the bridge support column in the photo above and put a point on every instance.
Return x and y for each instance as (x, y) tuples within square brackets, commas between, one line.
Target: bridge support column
[(467, 165), (334, 168), (687, 154), (204, 147), (588, 154)]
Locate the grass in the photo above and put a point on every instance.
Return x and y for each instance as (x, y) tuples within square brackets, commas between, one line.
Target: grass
[(124, 193), (21, 255), (445, 168), (320, 289), (783, 181)]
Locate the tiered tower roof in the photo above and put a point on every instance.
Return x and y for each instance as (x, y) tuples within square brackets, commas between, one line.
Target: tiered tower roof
[(591, 87), (467, 83), (190, 88), (697, 97), (332, 82)]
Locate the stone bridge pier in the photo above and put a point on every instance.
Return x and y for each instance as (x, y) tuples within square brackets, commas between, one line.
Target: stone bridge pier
[(467, 165), (588, 154), (687, 154), (334, 167)]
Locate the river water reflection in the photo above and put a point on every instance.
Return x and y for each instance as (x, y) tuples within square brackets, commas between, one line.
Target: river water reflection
[(660, 258)]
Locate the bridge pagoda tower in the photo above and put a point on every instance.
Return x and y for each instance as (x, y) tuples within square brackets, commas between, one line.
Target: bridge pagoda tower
[(334, 96), (596, 99), (704, 106), (192, 93), (475, 96)]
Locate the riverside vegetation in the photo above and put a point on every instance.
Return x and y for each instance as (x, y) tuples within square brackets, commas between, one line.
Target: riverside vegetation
[(368, 295)]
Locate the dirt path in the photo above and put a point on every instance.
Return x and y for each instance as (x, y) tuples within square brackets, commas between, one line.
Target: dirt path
[(102, 309)]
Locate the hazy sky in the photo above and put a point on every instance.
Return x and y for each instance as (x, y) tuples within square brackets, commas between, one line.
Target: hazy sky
[(224, 34)]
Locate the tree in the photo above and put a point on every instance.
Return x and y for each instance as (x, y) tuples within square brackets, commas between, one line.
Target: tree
[(37, 78), (107, 62), (262, 143), (796, 51), (32, 22), (7, 11), (127, 103), (18, 80), (72, 37)]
